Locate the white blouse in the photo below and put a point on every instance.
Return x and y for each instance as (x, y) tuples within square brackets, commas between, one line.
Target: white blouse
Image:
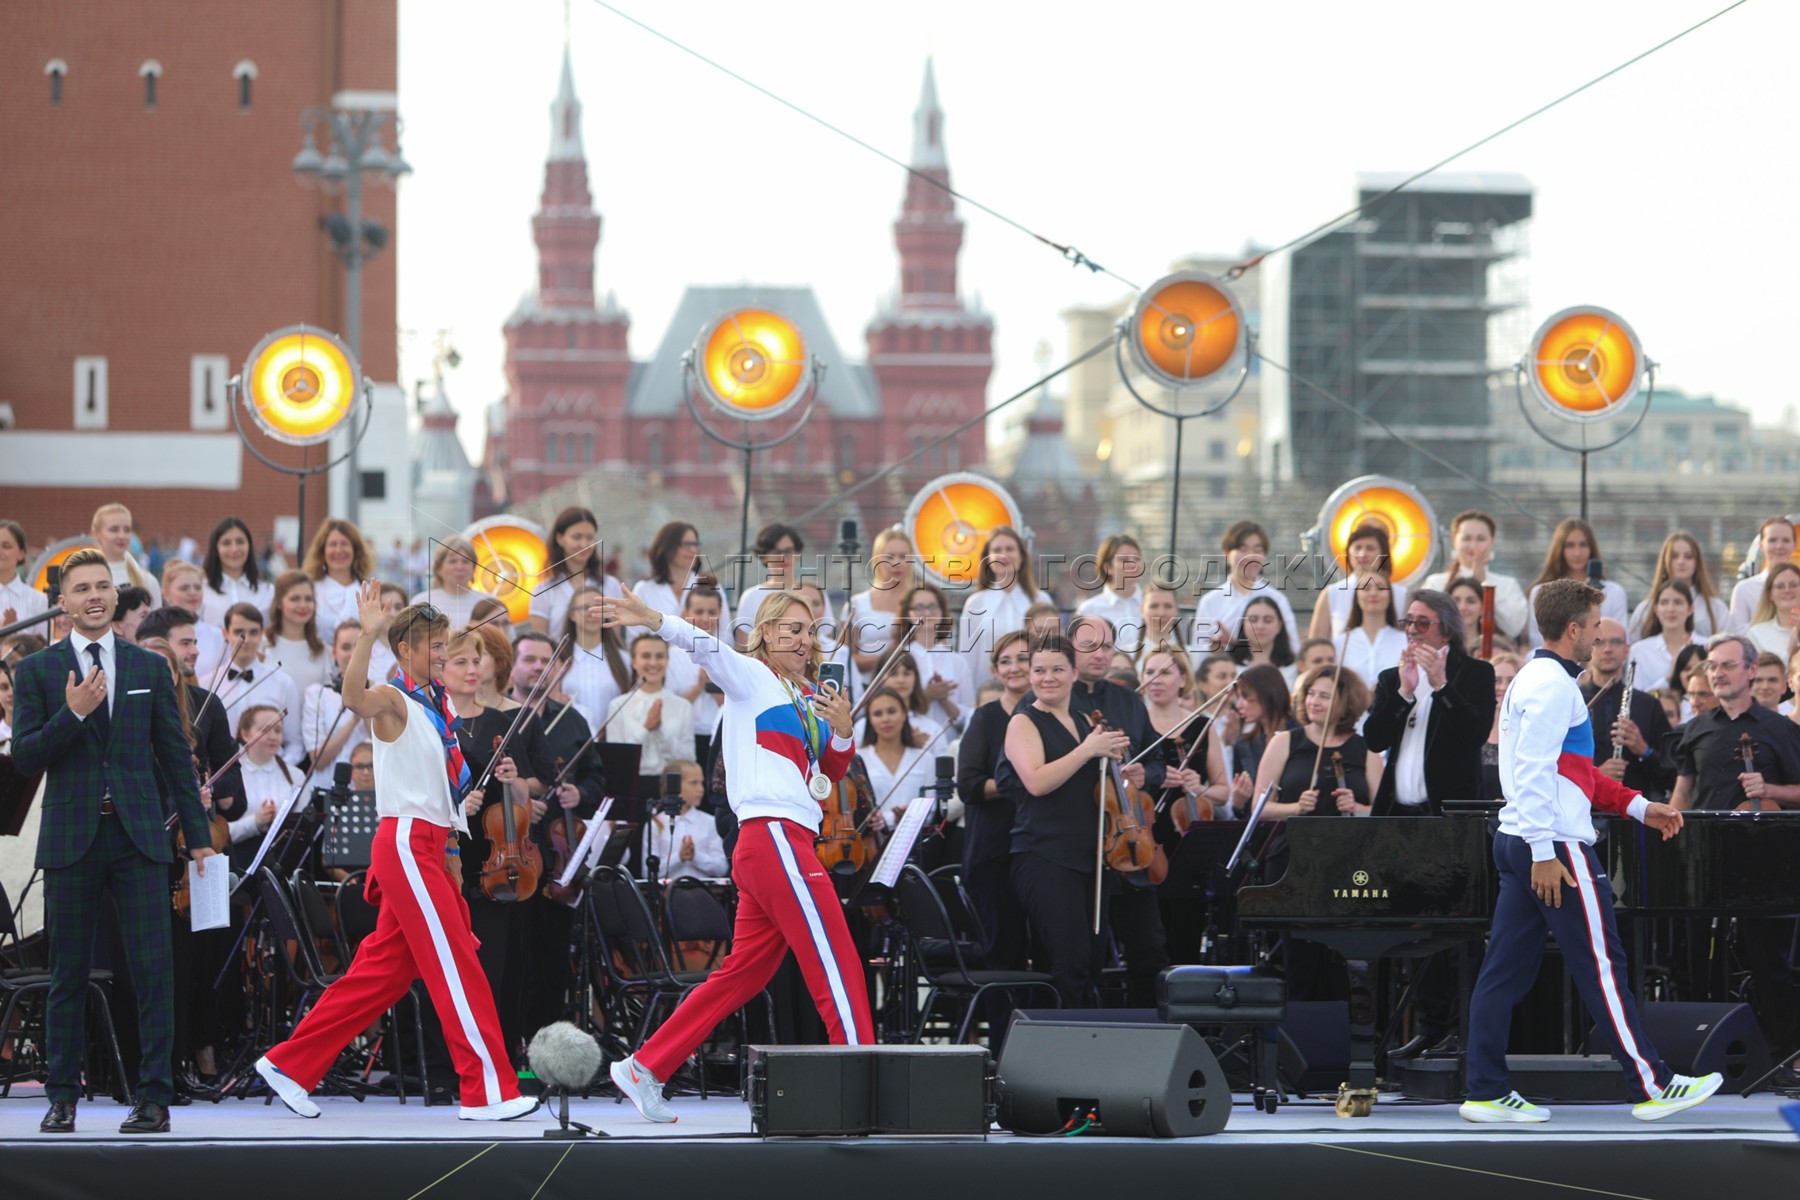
[(942, 659), (672, 738), (1611, 605), (988, 614), (458, 610), (336, 604), (898, 788), (662, 597), (214, 604), (1341, 596), (122, 576), (294, 656), (551, 602), (1509, 598), (1770, 636), (663, 838), (22, 598), (589, 681), (1370, 658), (682, 675), (1125, 612), (1711, 615), (1654, 662)]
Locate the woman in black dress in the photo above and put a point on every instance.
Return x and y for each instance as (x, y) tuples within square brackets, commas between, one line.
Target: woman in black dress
[(1289, 760), (1054, 758), (988, 815)]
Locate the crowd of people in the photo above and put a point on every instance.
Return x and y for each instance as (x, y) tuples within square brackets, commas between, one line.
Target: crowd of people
[(1386, 703)]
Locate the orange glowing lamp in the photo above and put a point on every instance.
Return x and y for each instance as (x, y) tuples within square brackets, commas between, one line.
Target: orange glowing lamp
[(1391, 504), (53, 556), (1187, 330), (1585, 364), (949, 521), (752, 364), (512, 557), (300, 384)]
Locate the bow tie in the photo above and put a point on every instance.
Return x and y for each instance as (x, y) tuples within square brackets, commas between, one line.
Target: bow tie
[(246, 674)]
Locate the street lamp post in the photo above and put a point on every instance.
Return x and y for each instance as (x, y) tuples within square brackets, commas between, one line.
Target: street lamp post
[(354, 146)]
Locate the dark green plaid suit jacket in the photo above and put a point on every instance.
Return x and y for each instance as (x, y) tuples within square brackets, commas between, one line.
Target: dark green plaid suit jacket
[(145, 755)]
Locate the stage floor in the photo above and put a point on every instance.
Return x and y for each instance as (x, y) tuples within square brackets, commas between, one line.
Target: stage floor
[(1731, 1145)]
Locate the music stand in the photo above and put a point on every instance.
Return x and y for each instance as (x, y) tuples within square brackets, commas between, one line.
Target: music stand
[(619, 762), (1256, 811), (350, 828)]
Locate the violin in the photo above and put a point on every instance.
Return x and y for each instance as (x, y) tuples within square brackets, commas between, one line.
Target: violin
[(220, 830), (1127, 844), (514, 864), (566, 833), (845, 841), (1747, 752), (1188, 810)]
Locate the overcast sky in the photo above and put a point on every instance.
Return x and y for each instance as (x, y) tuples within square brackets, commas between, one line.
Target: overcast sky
[(1138, 133)]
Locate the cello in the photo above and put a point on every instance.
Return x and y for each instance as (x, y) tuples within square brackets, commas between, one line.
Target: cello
[(513, 865)]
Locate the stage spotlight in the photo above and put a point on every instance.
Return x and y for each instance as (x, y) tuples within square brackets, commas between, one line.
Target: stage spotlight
[(53, 556), (1585, 364), (752, 364), (1395, 506), (511, 556), (1187, 330), (300, 383), (949, 522)]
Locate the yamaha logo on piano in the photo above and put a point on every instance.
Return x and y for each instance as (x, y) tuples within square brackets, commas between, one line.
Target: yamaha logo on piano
[(1359, 889)]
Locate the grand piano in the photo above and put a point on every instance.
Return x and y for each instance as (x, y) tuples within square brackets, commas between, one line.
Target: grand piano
[(1726, 864)]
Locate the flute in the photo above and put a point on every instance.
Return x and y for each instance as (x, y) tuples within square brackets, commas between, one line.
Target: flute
[(1624, 704)]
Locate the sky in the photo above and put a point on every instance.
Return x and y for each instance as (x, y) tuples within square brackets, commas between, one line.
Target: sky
[(1139, 134)]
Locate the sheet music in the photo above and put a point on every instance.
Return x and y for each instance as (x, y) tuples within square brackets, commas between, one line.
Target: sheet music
[(585, 847), (1256, 811), (268, 839), (899, 847), (209, 895)]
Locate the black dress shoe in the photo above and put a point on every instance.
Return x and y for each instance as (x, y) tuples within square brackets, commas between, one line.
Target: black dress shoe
[(146, 1118), (60, 1118), (1411, 1048), (1450, 1047)]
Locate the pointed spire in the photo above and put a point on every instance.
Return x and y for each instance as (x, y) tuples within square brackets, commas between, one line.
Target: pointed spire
[(565, 116), (928, 125)]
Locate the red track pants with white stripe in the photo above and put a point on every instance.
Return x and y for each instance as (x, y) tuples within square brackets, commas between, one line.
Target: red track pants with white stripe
[(421, 932), (785, 901)]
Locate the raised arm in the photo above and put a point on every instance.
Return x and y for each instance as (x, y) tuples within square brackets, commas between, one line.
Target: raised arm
[(712, 654), (367, 702)]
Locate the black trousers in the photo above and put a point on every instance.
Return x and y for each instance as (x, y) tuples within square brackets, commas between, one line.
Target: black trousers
[(1059, 902), (1766, 944), (1136, 921), (989, 888)]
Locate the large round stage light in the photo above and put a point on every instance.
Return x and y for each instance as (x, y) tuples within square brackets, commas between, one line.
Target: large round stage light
[(512, 557), (53, 556), (949, 522), (752, 364), (1585, 364), (300, 384), (1393, 505), (1187, 330)]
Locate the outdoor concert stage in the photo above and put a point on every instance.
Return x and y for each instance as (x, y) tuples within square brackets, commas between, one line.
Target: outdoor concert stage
[(1732, 1147)]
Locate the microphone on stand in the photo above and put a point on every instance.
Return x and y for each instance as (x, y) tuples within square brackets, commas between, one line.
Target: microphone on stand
[(565, 1059)]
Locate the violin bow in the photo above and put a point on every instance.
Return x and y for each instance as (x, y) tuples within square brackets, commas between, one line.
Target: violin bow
[(576, 757), (892, 658), (518, 719), (212, 687), (894, 786), (1216, 699), (174, 818)]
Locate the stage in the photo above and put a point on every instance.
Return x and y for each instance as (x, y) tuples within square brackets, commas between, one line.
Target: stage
[(1730, 1146)]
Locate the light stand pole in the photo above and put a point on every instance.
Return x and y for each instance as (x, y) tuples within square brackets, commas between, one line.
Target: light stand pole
[(354, 146)]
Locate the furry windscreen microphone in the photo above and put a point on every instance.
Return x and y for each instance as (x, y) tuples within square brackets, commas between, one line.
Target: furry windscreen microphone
[(564, 1057)]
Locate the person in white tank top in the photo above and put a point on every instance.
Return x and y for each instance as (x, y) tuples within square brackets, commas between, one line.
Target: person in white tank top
[(422, 930)]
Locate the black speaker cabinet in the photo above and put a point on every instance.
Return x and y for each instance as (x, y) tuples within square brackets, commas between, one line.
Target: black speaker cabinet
[(1700, 1037), (1144, 1080), (852, 1091)]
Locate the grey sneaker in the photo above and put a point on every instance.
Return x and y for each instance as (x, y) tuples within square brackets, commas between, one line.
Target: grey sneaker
[(291, 1093), (643, 1089)]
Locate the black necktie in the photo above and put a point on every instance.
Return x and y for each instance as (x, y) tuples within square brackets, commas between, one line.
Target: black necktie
[(102, 718), (245, 674)]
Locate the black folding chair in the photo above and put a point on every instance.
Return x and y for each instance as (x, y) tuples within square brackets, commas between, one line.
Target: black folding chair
[(637, 969), (356, 920), (943, 959), (25, 988)]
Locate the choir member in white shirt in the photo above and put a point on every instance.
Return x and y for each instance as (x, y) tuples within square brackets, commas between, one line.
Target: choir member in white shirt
[(651, 716), (674, 570), (1219, 615), (452, 591), (337, 562), (1469, 599), (904, 680), (1681, 558), (1472, 542), (251, 679), (871, 614), (779, 548), (1373, 641), (686, 846), (381, 657), (943, 669), (18, 599), (1005, 589), (184, 586), (704, 610), (575, 563), (1262, 639), (1572, 547), (231, 574), (328, 731), (1772, 620), (1669, 628), (268, 780), (1775, 544), (1161, 619), (111, 531), (899, 767), (598, 669), (1120, 561), (1369, 552), (291, 639)]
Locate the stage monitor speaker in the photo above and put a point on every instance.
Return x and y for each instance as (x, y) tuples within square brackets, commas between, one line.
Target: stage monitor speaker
[(853, 1091), (1143, 1080), (1700, 1037)]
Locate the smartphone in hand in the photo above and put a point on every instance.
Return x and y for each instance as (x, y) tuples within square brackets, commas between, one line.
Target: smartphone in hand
[(833, 675)]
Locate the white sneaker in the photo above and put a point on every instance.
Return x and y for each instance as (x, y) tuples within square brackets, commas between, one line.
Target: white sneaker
[(643, 1089), (291, 1093), (1510, 1109), (506, 1110), (1683, 1091)]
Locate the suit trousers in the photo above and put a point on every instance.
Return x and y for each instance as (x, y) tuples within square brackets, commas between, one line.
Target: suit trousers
[(73, 897)]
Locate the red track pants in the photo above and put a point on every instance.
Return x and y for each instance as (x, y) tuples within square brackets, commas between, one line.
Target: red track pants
[(422, 932), (785, 901)]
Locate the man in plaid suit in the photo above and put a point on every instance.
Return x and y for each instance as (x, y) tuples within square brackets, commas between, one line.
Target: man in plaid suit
[(99, 717)]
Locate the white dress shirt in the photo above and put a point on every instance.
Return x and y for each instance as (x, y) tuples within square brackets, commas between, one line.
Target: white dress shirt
[(900, 787), (589, 680), (552, 602), (457, 609), (1612, 604), (22, 598), (663, 838), (214, 604), (986, 616), (682, 675), (305, 667), (268, 684), (1409, 755), (943, 659), (672, 738), (662, 597), (322, 717), (752, 600), (1509, 598), (1125, 612), (262, 782), (1743, 601), (1770, 636), (122, 575), (80, 644), (1654, 662), (336, 604)]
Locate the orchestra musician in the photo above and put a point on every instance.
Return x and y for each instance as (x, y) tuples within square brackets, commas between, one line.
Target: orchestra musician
[(1638, 729), (784, 747), (988, 812)]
